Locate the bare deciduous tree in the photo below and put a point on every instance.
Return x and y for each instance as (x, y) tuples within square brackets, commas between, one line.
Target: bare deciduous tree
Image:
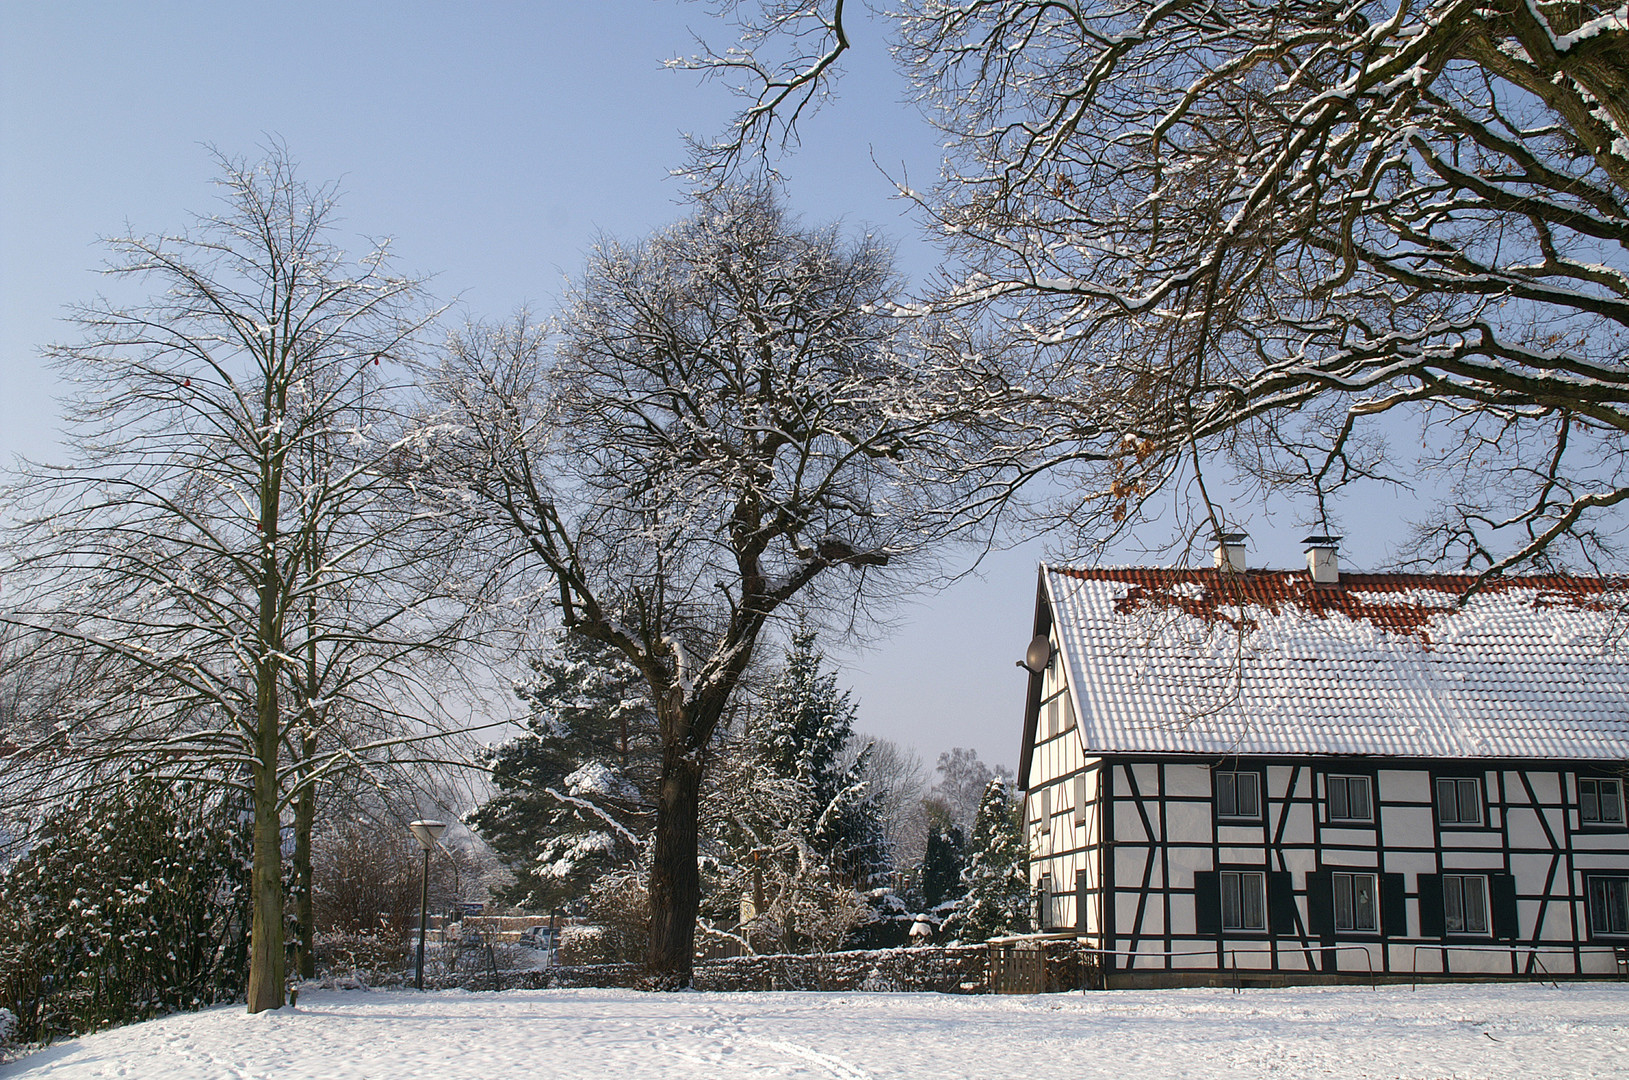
[(728, 428), (1294, 234), (237, 540)]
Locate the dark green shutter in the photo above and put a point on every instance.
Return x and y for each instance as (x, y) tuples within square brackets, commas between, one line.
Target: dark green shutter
[(1280, 904), (1431, 917), (1502, 899), (1207, 902), (1393, 906), (1320, 904)]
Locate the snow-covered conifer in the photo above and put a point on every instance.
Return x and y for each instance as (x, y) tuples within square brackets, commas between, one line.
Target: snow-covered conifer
[(997, 874), (575, 793)]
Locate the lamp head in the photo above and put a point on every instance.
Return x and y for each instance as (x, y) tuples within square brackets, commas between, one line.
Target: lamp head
[(427, 832)]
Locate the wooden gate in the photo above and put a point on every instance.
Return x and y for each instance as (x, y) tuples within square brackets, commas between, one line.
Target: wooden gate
[(1017, 968)]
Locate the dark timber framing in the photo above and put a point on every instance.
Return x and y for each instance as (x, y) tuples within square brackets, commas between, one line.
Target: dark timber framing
[(1135, 848)]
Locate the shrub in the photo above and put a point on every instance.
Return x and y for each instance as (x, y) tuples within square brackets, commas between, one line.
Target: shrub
[(131, 903)]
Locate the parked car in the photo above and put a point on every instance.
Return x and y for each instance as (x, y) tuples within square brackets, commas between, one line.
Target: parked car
[(538, 937)]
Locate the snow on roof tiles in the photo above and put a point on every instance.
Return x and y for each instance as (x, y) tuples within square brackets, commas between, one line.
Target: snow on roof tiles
[(1267, 662)]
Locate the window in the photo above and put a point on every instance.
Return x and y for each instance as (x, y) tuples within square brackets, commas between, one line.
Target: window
[(1465, 904), (1600, 802), (1609, 905), (1046, 809), (1459, 802), (1355, 904), (1244, 900), (1082, 796), (1349, 799), (1238, 794)]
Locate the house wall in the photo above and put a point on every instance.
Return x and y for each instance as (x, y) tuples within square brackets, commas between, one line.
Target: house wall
[(1064, 815), (1149, 843)]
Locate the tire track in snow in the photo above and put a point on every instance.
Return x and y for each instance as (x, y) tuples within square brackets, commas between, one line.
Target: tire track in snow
[(840, 1069), (728, 1029)]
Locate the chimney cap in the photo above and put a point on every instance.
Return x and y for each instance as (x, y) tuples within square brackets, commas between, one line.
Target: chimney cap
[(1322, 540), (1232, 537)]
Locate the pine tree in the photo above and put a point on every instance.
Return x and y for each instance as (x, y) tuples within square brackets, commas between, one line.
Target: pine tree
[(576, 792), (794, 832), (943, 863), (997, 874), (804, 728)]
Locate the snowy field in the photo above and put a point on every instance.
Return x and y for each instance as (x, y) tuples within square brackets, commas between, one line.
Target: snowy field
[(1463, 1032)]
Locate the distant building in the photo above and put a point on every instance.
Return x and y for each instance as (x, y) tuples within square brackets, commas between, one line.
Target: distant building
[(1306, 775)]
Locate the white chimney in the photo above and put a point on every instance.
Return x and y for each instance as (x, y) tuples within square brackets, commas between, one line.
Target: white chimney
[(1322, 561), (1230, 552)]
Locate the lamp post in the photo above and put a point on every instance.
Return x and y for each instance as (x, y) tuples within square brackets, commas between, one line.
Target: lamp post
[(426, 833)]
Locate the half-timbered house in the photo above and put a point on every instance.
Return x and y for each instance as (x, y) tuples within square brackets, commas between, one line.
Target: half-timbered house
[(1234, 773)]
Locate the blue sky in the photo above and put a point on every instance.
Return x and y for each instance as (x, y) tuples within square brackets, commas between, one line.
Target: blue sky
[(493, 142)]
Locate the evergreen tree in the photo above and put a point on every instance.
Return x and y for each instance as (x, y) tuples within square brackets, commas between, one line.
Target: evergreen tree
[(997, 874), (804, 728), (794, 833), (576, 793), (943, 863)]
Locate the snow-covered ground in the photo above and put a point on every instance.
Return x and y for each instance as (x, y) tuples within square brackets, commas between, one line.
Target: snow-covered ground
[(1496, 1032)]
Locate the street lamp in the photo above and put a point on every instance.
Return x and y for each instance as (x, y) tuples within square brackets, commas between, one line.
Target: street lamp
[(426, 833)]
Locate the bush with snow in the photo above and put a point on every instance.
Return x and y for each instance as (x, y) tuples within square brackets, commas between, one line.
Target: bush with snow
[(132, 903)]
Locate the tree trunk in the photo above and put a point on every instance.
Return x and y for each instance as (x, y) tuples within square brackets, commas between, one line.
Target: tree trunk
[(675, 880), (266, 896), (305, 933)]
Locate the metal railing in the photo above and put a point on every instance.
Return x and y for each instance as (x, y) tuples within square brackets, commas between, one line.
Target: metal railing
[(1534, 959), (1233, 957)]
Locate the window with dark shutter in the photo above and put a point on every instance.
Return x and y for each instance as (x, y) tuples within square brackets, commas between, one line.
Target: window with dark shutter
[(1244, 900), (1357, 902), (1465, 904)]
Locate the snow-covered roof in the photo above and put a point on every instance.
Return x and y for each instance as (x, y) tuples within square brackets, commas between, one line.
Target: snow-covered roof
[(1267, 662)]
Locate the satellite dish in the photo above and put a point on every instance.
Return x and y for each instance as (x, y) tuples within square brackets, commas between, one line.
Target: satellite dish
[(1039, 654)]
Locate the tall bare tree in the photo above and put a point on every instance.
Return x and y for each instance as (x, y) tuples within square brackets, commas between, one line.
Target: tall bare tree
[(237, 538), (1294, 233), (728, 427)]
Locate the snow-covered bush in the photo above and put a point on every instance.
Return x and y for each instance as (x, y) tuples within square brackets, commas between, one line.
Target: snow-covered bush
[(132, 903), (618, 929)]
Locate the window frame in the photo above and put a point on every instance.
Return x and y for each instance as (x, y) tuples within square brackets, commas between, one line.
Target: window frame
[(1600, 821), (1453, 889), (1236, 878), (1458, 820), (1344, 781), (1257, 785), (1349, 878), (1606, 883)]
